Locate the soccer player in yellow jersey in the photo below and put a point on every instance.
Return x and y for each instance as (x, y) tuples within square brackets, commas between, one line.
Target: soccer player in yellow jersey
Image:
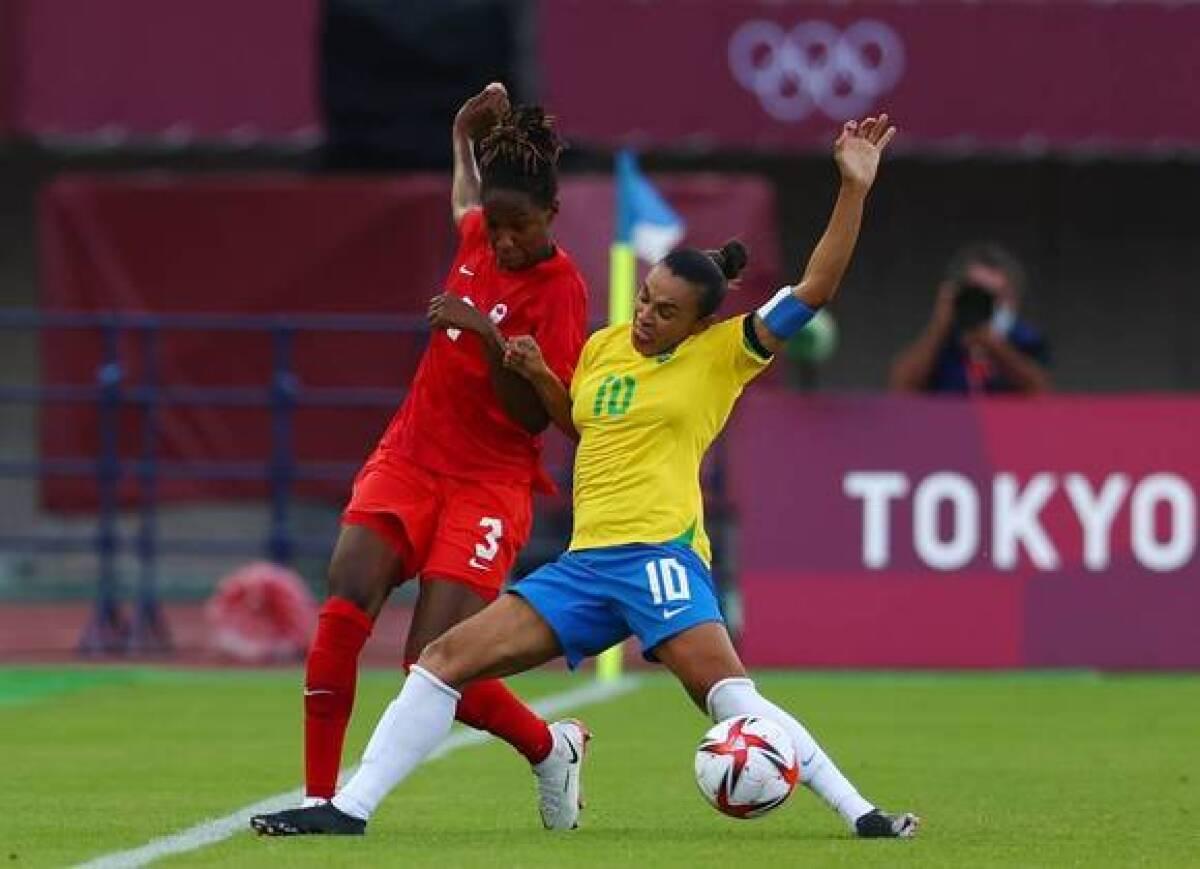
[(646, 401)]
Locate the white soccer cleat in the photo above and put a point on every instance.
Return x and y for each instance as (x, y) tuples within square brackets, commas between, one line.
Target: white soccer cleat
[(559, 800)]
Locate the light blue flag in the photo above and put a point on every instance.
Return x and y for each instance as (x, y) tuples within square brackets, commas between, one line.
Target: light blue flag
[(645, 221)]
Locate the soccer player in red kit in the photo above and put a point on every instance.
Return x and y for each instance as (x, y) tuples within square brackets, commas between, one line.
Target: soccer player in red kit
[(447, 495)]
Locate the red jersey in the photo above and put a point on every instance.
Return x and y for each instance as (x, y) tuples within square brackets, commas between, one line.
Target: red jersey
[(452, 422)]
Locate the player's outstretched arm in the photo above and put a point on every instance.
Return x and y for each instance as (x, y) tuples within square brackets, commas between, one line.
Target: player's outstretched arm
[(474, 120), (523, 356), (857, 152)]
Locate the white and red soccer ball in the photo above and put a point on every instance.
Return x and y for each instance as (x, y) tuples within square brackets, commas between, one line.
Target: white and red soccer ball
[(746, 766)]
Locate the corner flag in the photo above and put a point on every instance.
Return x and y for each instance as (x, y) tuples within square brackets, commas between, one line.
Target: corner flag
[(647, 228)]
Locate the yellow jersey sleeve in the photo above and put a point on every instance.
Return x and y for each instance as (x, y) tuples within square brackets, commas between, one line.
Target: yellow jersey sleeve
[(733, 352)]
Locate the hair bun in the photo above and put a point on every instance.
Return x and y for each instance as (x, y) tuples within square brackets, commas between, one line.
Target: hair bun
[(731, 259)]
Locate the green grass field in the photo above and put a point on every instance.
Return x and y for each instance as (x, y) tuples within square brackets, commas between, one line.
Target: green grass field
[(1007, 770)]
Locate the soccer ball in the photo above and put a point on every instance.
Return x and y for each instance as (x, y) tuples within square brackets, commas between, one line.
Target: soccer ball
[(746, 766)]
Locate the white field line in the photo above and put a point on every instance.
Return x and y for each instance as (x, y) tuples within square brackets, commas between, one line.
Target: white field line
[(211, 832)]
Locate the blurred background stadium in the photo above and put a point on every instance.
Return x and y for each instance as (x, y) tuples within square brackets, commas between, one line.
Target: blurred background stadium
[(219, 224)]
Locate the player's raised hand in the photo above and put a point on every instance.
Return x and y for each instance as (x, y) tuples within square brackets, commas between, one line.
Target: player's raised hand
[(859, 147), (447, 311), (480, 113), (523, 355)]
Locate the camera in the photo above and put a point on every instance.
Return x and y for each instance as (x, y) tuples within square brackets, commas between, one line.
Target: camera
[(973, 307)]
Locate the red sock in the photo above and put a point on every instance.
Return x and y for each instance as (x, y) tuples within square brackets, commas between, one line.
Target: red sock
[(489, 705), (330, 678)]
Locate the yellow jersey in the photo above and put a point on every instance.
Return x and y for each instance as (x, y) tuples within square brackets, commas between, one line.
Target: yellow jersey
[(645, 423)]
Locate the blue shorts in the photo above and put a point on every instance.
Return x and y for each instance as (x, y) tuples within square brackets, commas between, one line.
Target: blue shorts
[(595, 598)]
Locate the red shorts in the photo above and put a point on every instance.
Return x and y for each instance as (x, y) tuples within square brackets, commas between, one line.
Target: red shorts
[(468, 532)]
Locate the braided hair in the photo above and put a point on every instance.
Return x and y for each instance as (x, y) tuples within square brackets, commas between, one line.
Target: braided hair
[(521, 153)]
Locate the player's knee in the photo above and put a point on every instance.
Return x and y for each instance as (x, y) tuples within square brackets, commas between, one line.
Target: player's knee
[(457, 658), (361, 587), (443, 658)]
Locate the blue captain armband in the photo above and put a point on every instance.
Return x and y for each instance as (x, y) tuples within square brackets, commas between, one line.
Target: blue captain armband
[(784, 315)]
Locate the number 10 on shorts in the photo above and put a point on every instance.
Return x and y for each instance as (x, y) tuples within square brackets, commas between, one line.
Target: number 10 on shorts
[(668, 581)]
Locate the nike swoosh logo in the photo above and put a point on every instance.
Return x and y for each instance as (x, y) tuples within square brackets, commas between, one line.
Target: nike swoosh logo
[(574, 761), (670, 614), (463, 270), (312, 692), (809, 759)]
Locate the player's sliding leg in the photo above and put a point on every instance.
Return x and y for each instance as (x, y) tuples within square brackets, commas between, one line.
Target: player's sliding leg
[(486, 704), (507, 637), (704, 660), (361, 575), (489, 705), (413, 725)]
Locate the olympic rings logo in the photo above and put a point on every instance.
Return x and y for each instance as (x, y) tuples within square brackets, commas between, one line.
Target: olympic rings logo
[(816, 67)]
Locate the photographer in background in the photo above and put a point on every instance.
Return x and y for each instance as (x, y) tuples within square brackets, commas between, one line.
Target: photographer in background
[(974, 342)]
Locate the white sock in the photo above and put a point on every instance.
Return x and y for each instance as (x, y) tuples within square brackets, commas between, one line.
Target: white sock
[(738, 696), (413, 725)]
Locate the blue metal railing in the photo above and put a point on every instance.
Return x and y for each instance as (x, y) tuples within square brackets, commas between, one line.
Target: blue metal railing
[(108, 630)]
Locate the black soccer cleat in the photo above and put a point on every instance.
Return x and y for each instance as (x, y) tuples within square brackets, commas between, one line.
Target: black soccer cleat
[(880, 825), (325, 819)]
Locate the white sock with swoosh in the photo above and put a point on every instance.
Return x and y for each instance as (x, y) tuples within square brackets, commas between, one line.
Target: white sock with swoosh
[(738, 696)]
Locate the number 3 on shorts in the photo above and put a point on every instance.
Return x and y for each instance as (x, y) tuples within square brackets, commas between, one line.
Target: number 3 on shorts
[(490, 547), (668, 581)]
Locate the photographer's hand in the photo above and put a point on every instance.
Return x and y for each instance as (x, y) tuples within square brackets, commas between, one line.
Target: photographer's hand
[(942, 318), (1018, 369)]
